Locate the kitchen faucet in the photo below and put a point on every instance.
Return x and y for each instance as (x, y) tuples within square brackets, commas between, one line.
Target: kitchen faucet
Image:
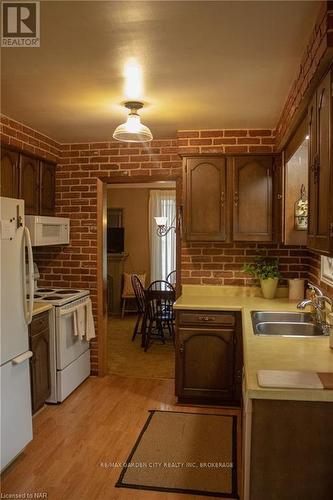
[(317, 301)]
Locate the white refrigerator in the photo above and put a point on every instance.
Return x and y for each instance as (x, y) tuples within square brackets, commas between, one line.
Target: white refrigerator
[(16, 314)]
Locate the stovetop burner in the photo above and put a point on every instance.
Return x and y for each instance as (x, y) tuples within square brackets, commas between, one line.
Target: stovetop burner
[(65, 292), (45, 290)]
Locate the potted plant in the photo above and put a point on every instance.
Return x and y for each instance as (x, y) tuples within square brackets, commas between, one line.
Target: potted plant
[(266, 269)]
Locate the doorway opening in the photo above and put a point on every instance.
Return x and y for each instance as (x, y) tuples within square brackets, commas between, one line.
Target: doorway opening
[(133, 246)]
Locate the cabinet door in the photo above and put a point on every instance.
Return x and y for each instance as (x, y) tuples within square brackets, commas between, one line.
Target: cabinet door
[(9, 174), (206, 199), (40, 369), (278, 205), (321, 217), (47, 188), (29, 184), (205, 364), (313, 170), (253, 207)]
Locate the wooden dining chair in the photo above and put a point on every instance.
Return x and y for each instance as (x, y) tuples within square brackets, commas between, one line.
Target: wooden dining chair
[(160, 297), (139, 293), (171, 278)]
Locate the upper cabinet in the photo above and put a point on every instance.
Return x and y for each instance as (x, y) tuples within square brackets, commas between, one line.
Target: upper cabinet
[(320, 233), (9, 173), (47, 188), (30, 179), (252, 198), (206, 199), (29, 184), (229, 198)]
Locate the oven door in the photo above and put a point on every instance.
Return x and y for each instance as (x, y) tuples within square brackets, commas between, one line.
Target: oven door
[(69, 346)]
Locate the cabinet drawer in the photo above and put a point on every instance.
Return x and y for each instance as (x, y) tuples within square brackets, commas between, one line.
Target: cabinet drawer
[(207, 318), (39, 323)]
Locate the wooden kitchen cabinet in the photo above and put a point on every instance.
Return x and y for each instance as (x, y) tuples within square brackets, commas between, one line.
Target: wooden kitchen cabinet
[(320, 116), (234, 198), (9, 173), (47, 188), (291, 450), (28, 178), (253, 198), (206, 199), (29, 184), (39, 340), (209, 357)]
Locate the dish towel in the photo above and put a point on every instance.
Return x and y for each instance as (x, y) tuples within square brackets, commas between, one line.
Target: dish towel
[(80, 321), (90, 327)]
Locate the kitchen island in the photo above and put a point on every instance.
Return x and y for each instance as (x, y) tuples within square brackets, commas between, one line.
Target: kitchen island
[(287, 433)]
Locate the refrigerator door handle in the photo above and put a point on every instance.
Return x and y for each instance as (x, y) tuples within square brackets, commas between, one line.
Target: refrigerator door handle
[(30, 305), (22, 357)]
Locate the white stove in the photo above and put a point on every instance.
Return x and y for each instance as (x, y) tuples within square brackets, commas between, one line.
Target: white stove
[(58, 296), (69, 354)]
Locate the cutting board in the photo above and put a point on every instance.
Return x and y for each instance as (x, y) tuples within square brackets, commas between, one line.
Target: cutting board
[(289, 379)]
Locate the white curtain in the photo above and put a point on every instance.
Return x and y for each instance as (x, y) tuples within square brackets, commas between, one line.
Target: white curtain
[(162, 203)]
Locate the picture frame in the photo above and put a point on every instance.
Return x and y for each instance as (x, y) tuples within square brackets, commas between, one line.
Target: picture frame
[(326, 270)]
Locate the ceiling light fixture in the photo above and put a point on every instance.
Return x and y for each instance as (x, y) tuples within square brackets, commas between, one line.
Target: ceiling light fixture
[(133, 130)]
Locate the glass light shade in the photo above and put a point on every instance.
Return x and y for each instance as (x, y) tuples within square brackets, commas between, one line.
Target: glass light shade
[(133, 130), (161, 221)]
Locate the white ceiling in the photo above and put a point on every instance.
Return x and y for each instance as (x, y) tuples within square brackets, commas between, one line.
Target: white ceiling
[(205, 65)]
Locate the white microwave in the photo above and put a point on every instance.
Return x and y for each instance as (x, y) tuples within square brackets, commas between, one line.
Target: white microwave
[(47, 230)]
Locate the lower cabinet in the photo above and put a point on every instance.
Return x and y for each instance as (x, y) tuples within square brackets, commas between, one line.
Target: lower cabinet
[(39, 340), (209, 357), (291, 451)]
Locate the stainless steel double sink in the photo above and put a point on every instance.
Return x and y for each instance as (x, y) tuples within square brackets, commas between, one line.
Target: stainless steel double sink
[(285, 324)]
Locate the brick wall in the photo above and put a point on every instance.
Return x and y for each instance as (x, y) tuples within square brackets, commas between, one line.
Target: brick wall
[(314, 273), (226, 141), (20, 136), (222, 263), (320, 41)]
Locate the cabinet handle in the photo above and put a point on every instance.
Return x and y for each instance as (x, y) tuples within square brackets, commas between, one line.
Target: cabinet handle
[(206, 318), (236, 198), (279, 196), (222, 199), (181, 348)]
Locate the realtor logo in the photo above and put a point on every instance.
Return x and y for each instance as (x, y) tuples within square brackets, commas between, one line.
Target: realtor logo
[(20, 24)]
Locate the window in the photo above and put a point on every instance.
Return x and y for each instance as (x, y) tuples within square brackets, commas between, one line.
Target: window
[(162, 203)]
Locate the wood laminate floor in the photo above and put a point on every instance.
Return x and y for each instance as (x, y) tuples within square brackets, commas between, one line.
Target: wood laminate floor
[(127, 358), (99, 423)]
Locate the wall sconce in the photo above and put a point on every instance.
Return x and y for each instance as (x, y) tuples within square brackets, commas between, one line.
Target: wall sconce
[(163, 230)]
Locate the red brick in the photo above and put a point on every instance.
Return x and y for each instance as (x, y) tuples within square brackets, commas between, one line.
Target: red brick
[(211, 133), (200, 142), (248, 140), (187, 134), (236, 149), (229, 141), (260, 132), (235, 133)]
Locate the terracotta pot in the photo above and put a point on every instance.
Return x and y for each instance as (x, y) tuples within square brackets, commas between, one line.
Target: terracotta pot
[(268, 287)]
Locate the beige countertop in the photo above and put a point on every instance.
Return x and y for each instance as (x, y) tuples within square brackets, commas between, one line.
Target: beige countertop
[(265, 353), (40, 307)]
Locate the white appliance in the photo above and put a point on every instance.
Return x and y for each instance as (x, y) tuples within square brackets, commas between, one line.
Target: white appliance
[(70, 355), (16, 314), (48, 230)]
